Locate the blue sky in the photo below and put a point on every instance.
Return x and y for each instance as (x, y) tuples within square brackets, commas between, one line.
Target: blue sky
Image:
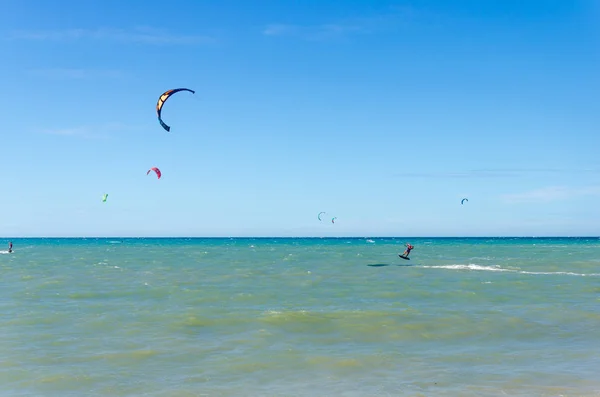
[(383, 114)]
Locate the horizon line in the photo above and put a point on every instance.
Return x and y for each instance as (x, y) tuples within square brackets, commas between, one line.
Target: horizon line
[(290, 237)]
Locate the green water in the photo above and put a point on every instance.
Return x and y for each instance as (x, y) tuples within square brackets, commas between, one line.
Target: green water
[(300, 317)]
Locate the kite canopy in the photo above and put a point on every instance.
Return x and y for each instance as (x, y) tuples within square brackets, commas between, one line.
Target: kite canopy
[(463, 200), (319, 216), (161, 101), (333, 219), (104, 197), (156, 170)]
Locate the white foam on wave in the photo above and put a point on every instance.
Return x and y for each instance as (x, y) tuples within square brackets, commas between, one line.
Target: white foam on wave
[(496, 268), (4, 252), (471, 266)]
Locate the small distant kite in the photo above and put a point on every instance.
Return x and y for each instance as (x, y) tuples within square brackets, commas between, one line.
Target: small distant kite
[(158, 173), (319, 216), (333, 219), (161, 101), (463, 200), (104, 197)]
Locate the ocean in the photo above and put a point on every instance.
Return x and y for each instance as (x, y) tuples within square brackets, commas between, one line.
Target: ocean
[(300, 317)]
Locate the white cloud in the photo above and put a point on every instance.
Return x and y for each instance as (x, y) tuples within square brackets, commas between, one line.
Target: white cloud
[(551, 193), (316, 32), (494, 173), (141, 35), (79, 131), (90, 132), (76, 74), (338, 29), (459, 174)]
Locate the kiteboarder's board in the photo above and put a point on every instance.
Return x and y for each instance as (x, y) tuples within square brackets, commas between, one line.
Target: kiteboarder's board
[(404, 257)]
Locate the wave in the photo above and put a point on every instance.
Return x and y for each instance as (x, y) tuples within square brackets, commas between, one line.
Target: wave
[(472, 267), (496, 268)]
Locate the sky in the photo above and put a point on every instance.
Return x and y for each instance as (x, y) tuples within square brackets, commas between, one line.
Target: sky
[(382, 114)]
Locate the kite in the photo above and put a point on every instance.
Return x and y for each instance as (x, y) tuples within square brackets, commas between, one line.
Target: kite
[(158, 173), (319, 216), (463, 200), (161, 101), (104, 197), (333, 219)]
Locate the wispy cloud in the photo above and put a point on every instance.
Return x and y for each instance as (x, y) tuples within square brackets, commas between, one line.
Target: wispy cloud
[(329, 30), (458, 174), (75, 74), (317, 32), (141, 35), (551, 193), (89, 131), (493, 173)]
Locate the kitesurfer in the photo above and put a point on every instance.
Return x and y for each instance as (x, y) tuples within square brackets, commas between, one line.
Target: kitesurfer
[(408, 249), (9, 247)]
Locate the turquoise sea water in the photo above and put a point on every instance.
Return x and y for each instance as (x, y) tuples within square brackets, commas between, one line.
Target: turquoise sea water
[(300, 317)]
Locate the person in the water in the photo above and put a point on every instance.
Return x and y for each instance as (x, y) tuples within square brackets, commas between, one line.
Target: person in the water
[(408, 249), (9, 247)]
